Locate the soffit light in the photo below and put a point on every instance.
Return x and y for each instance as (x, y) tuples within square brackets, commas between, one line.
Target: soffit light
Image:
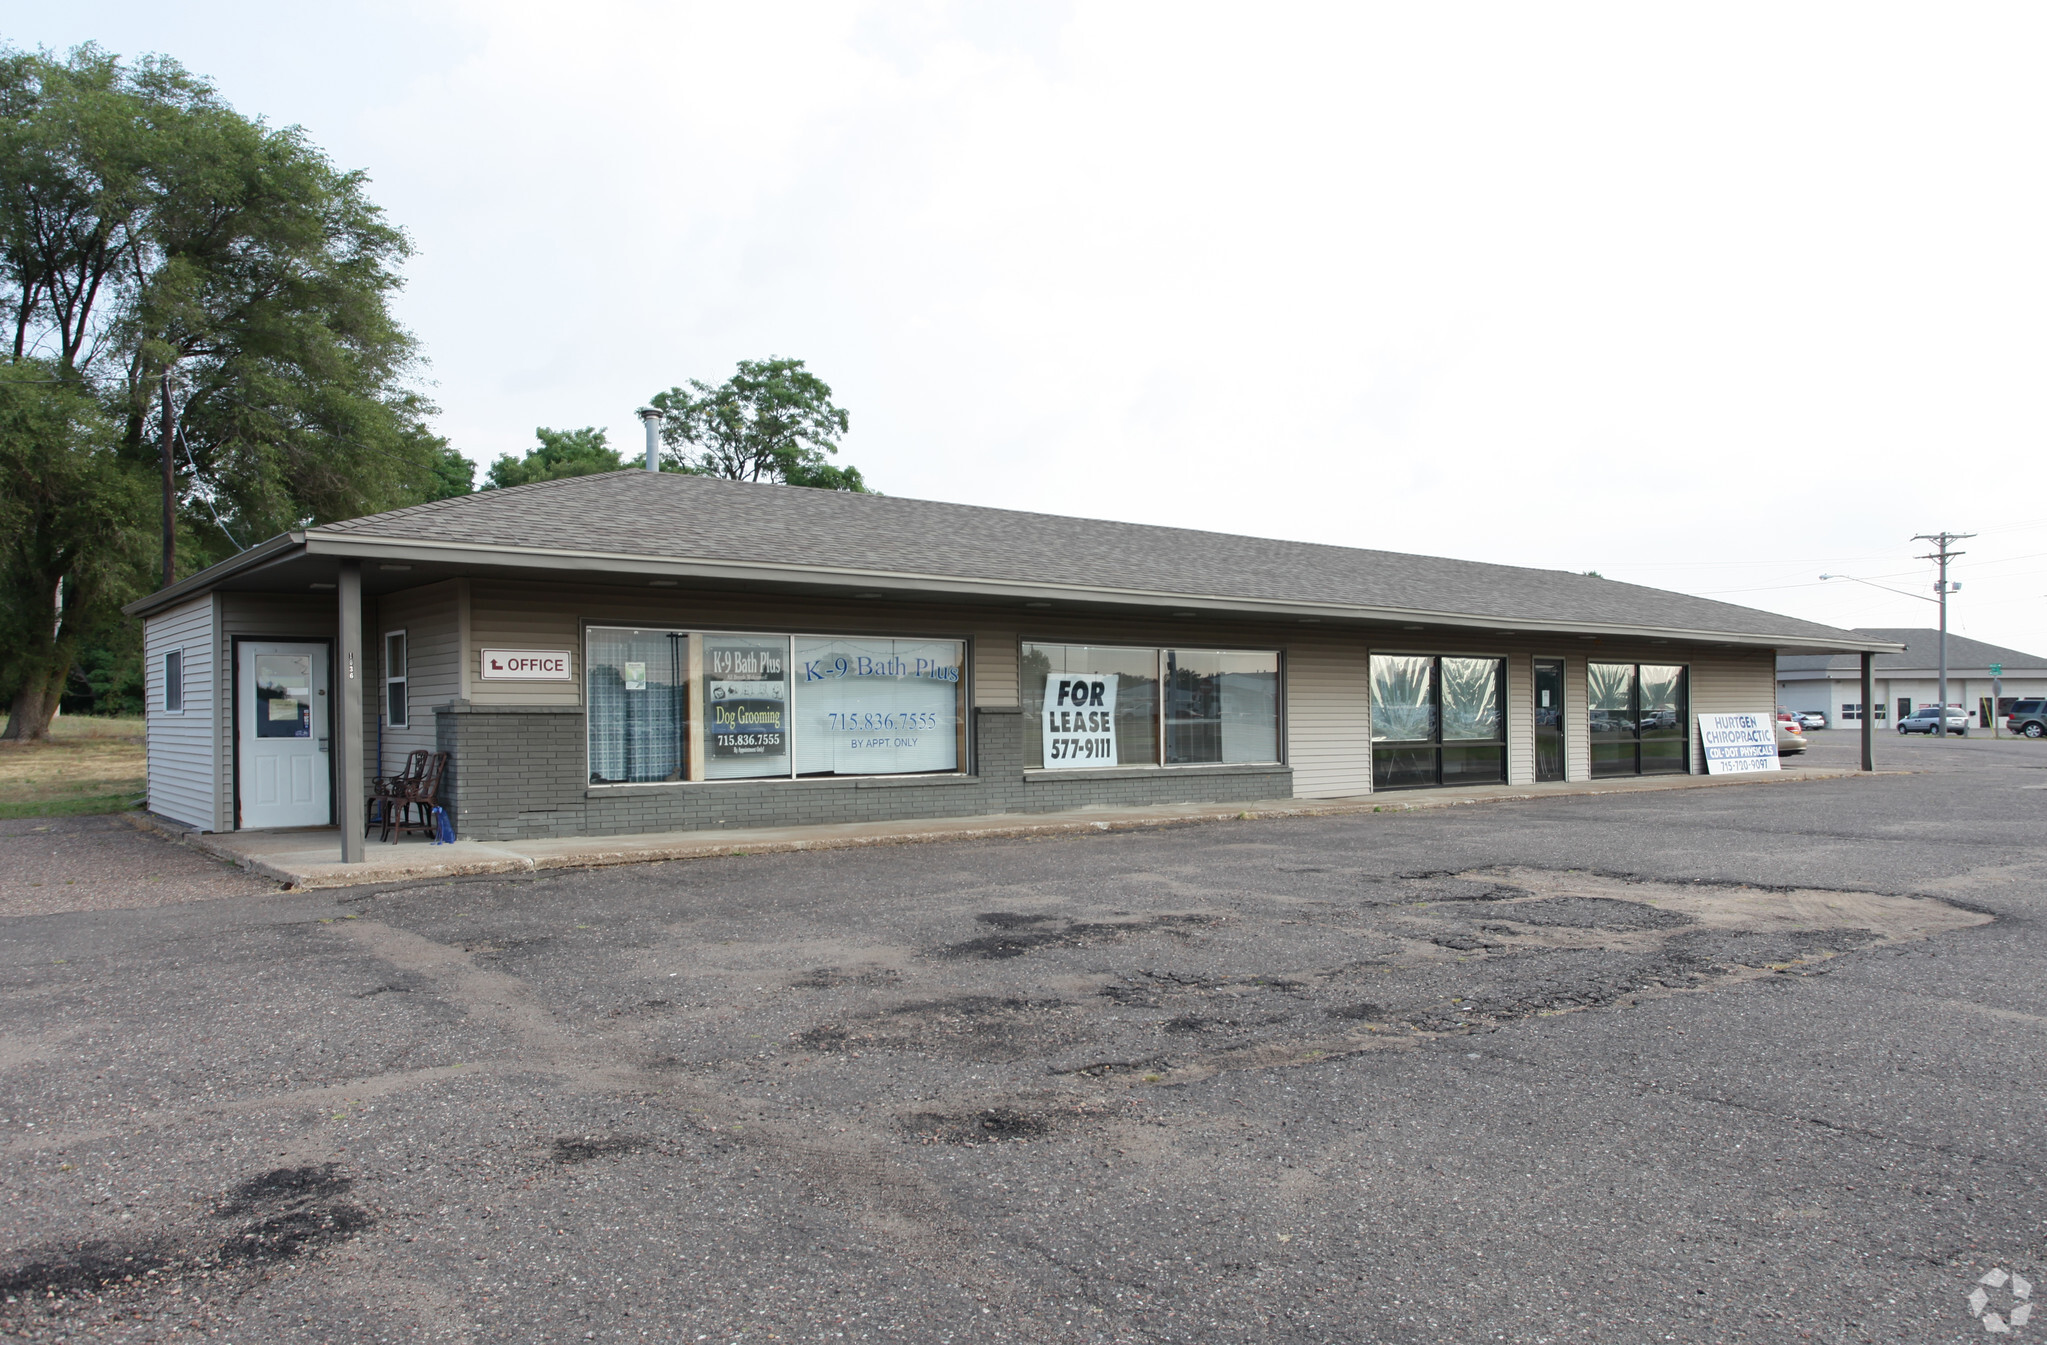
[(386, 565), (1037, 604), (660, 583), (319, 587), (867, 595)]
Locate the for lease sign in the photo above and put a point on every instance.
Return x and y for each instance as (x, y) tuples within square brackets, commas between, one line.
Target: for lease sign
[(1080, 720), (526, 665), (1736, 744)]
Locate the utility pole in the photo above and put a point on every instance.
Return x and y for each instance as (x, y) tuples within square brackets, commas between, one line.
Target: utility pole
[(1943, 541), (170, 489)]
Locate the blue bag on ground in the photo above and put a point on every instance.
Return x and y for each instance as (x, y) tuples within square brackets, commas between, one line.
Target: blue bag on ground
[(444, 830)]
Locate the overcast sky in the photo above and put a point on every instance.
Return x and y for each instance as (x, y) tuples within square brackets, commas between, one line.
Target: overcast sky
[(1715, 298)]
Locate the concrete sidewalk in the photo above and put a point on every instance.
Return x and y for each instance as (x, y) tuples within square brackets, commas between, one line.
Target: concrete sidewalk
[(309, 857)]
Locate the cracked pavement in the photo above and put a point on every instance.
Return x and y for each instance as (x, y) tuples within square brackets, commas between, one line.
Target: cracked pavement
[(1737, 1064)]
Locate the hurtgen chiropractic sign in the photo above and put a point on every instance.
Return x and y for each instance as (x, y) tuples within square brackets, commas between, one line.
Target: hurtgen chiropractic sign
[(1080, 720), (1736, 744)]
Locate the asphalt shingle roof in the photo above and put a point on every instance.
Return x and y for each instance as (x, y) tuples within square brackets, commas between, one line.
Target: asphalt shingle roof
[(1922, 650), (673, 516)]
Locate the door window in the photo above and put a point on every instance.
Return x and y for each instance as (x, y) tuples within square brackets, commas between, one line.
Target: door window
[(284, 696)]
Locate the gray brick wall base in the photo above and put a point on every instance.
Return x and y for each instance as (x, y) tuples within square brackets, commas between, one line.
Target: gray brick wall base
[(518, 774)]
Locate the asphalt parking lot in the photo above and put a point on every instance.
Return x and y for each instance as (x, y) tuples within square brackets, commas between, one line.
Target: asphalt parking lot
[(1746, 1064)]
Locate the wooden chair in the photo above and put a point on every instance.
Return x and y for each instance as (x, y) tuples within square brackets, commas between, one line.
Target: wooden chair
[(419, 796), (386, 790)]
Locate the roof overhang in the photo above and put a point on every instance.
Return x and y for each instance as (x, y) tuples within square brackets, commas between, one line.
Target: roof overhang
[(323, 550)]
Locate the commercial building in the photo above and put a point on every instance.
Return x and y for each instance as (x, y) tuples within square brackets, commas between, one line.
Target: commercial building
[(645, 651), (1909, 676)]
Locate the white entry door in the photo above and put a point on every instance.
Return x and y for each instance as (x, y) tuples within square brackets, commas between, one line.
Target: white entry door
[(282, 690)]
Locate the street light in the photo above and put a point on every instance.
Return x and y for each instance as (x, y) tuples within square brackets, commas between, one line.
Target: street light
[(1885, 587)]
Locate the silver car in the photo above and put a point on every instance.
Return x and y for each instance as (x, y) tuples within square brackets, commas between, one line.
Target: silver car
[(1923, 720)]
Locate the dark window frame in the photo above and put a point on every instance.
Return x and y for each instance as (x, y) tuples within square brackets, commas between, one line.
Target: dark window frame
[(1436, 742), (1635, 739)]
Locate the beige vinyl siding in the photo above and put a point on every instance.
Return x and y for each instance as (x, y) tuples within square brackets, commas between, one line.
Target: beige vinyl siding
[(1520, 693), (1328, 718), (431, 619), (1731, 682), (1577, 721), (998, 660), (182, 779), (1328, 692)]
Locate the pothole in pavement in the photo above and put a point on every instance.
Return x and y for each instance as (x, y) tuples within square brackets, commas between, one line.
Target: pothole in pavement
[(1417, 956), (1018, 933), (1488, 947), (271, 1219), (974, 1027), (1019, 1123)]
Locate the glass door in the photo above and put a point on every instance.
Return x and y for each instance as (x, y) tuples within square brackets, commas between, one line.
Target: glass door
[(1549, 719)]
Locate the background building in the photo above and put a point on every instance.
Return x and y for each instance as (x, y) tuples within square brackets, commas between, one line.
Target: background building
[(1908, 677)]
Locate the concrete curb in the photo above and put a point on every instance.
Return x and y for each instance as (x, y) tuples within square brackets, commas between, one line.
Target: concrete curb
[(483, 858)]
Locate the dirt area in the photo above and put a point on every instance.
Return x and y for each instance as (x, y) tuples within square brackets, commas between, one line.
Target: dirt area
[(99, 863), (86, 765)]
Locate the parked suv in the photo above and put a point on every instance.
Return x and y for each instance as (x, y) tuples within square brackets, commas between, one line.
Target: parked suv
[(1922, 720), (2028, 718)]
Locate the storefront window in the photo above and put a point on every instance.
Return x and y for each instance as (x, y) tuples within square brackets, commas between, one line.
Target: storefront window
[(1100, 705), (878, 707), (1131, 683), (638, 706), (1221, 706), (745, 706), (1638, 721), (770, 706), (1437, 721)]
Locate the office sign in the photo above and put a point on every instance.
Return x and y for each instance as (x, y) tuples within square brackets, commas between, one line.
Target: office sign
[(1738, 744), (526, 665), (1080, 720)]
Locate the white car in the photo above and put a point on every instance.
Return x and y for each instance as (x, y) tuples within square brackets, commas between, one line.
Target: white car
[(1790, 734)]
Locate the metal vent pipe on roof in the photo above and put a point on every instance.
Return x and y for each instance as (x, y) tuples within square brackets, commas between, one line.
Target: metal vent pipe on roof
[(652, 418)]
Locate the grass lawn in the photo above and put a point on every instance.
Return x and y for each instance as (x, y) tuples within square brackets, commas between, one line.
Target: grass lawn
[(87, 765)]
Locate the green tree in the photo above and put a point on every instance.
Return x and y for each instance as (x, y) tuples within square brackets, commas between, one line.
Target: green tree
[(561, 453), (157, 247), (773, 420), (453, 473), (73, 535)]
